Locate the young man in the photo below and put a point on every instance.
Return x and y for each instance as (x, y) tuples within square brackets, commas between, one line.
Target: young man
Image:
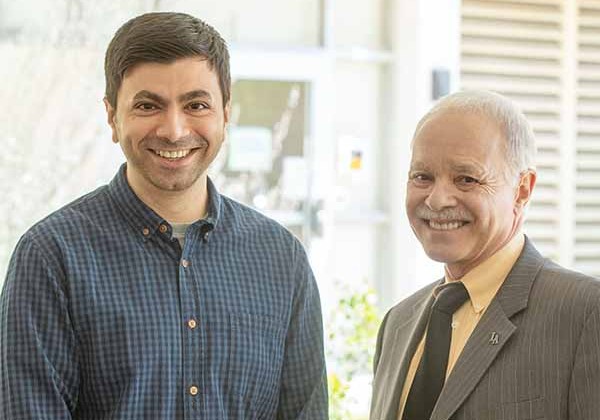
[(155, 297), (507, 334)]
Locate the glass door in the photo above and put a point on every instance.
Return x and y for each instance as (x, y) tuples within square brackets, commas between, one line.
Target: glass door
[(275, 156)]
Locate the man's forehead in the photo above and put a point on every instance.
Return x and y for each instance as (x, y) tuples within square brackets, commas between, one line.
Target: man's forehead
[(192, 72), (187, 62), (454, 163)]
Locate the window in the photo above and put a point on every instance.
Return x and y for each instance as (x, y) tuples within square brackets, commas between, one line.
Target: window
[(545, 55)]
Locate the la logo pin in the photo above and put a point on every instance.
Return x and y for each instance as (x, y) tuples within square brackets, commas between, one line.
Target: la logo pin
[(494, 338)]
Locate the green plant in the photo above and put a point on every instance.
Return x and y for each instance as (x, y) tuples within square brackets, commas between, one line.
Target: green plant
[(351, 334)]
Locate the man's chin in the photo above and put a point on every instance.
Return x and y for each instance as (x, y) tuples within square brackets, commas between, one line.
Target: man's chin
[(446, 255), (174, 185)]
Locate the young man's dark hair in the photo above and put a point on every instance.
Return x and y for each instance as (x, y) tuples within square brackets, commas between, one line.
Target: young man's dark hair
[(163, 37)]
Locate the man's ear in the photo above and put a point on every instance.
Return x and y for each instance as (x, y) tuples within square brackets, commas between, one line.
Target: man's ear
[(111, 116), (227, 112), (226, 117), (525, 188)]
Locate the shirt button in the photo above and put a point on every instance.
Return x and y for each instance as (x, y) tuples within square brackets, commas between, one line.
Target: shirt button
[(193, 390), (146, 231), (163, 228), (185, 263), (192, 324), (206, 236)]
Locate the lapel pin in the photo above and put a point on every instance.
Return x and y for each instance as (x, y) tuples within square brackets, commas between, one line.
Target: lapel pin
[(494, 339)]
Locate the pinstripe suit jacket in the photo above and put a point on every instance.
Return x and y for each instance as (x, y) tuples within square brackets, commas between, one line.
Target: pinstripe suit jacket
[(545, 363)]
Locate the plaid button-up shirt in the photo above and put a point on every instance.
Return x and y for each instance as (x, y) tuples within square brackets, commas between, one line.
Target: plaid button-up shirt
[(104, 316)]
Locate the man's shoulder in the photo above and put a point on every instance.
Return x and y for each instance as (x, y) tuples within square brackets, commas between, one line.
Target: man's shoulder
[(411, 305), (245, 219), (566, 284), (73, 218), (547, 280)]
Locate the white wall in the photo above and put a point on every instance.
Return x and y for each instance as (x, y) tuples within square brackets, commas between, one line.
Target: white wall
[(424, 35)]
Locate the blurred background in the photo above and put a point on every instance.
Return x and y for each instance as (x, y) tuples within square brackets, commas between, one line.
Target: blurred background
[(326, 94)]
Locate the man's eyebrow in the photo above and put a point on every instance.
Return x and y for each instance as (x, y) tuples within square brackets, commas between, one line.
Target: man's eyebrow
[(194, 94), (184, 97), (146, 94), (418, 166)]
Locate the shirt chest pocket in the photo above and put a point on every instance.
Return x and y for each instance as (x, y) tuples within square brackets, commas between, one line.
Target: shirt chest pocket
[(256, 355)]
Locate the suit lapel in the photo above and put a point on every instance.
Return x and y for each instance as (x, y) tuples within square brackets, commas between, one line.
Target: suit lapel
[(490, 336), (406, 339), (492, 333)]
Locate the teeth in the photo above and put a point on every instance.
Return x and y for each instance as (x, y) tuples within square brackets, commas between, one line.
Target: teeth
[(446, 225), (175, 154)]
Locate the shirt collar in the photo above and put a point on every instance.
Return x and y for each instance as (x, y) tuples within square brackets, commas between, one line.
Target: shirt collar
[(142, 218), (483, 281), (213, 213)]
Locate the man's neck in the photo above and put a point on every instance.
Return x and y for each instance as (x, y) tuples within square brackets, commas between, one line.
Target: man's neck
[(454, 272), (184, 206)]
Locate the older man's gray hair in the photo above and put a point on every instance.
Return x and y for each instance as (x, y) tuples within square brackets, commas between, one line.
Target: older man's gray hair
[(520, 140)]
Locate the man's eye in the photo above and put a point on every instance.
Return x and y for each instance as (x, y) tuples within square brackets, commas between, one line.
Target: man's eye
[(145, 106), (197, 106), (467, 180), (420, 177)]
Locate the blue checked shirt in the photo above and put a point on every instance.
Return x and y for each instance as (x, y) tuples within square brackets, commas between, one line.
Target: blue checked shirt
[(104, 316)]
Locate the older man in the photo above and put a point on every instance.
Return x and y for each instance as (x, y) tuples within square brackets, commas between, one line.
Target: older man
[(155, 297), (506, 334)]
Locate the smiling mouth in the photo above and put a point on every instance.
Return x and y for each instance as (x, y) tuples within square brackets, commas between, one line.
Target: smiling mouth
[(173, 154), (445, 224)]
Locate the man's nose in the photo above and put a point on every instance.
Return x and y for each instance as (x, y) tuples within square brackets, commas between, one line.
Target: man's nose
[(441, 196), (173, 126)]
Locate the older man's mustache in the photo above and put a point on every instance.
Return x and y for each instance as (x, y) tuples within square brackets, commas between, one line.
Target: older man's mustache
[(447, 214)]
